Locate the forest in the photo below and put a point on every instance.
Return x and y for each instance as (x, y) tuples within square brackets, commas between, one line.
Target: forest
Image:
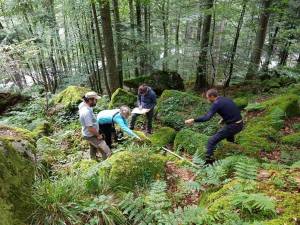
[(54, 54)]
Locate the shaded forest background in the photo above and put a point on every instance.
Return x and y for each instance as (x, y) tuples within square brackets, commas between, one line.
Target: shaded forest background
[(101, 43)]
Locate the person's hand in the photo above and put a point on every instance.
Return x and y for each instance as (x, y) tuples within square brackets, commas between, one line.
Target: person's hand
[(100, 137), (189, 121)]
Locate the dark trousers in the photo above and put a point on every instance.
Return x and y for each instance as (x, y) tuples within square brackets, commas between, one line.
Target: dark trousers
[(149, 116), (227, 132), (107, 130)]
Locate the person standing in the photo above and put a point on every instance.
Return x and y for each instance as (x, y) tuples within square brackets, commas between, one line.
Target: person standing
[(146, 100), (107, 120), (231, 116), (90, 127)]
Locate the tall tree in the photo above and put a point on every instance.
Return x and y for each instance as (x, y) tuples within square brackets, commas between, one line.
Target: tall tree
[(235, 43), (113, 75), (201, 76), (259, 40), (118, 40)]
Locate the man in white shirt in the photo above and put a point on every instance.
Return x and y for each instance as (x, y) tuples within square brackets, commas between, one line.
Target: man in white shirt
[(90, 127)]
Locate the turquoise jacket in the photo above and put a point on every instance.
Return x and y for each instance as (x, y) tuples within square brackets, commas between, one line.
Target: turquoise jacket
[(114, 116)]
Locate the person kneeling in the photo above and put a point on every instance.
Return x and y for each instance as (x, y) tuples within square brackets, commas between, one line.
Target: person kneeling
[(108, 118)]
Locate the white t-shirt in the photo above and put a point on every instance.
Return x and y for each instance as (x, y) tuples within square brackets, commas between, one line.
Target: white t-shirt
[(87, 119)]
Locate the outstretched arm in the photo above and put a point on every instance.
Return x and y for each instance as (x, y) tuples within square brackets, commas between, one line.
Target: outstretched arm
[(205, 117), (124, 127)]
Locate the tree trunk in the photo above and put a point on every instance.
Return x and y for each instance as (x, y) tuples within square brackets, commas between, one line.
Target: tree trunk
[(165, 11), (259, 40), (235, 43), (119, 40), (113, 76), (133, 39), (270, 50), (284, 53), (100, 47), (177, 41), (201, 78)]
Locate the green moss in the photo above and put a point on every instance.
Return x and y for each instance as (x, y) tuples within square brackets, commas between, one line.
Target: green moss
[(174, 107), (191, 142), (241, 102), (17, 173), (226, 148), (262, 132), (42, 129), (129, 169), (291, 139), (122, 97), (163, 136), (6, 215), (70, 97)]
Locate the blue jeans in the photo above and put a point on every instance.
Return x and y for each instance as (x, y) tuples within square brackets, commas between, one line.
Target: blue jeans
[(227, 132)]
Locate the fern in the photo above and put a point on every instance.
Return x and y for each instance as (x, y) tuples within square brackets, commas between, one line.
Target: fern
[(254, 204), (149, 209), (246, 170)]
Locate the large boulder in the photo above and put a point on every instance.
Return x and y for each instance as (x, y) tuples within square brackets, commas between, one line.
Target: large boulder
[(10, 99), (122, 97), (128, 168), (173, 107), (68, 99), (159, 81), (191, 142), (163, 136), (17, 166), (261, 132)]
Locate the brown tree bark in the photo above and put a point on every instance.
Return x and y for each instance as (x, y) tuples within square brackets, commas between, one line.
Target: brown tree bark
[(259, 40), (235, 43), (113, 76), (119, 40), (201, 77)]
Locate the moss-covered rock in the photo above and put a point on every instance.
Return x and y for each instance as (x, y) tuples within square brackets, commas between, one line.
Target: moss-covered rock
[(291, 139), (43, 128), (191, 142), (163, 136), (226, 148), (174, 107), (69, 98), (10, 99), (159, 81), (17, 156), (122, 97), (128, 169), (241, 102), (262, 132)]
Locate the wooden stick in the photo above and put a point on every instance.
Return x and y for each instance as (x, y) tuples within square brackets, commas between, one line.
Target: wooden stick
[(180, 157)]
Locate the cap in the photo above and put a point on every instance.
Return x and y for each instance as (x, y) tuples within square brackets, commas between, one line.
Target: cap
[(92, 94)]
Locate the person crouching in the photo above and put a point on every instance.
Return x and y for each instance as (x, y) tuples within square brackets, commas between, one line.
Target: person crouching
[(108, 118)]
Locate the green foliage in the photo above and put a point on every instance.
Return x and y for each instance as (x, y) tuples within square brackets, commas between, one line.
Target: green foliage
[(148, 209), (246, 169), (163, 136), (55, 201), (254, 203), (241, 102), (296, 165), (174, 107), (101, 210), (291, 139), (191, 142), (128, 169), (122, 97)]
